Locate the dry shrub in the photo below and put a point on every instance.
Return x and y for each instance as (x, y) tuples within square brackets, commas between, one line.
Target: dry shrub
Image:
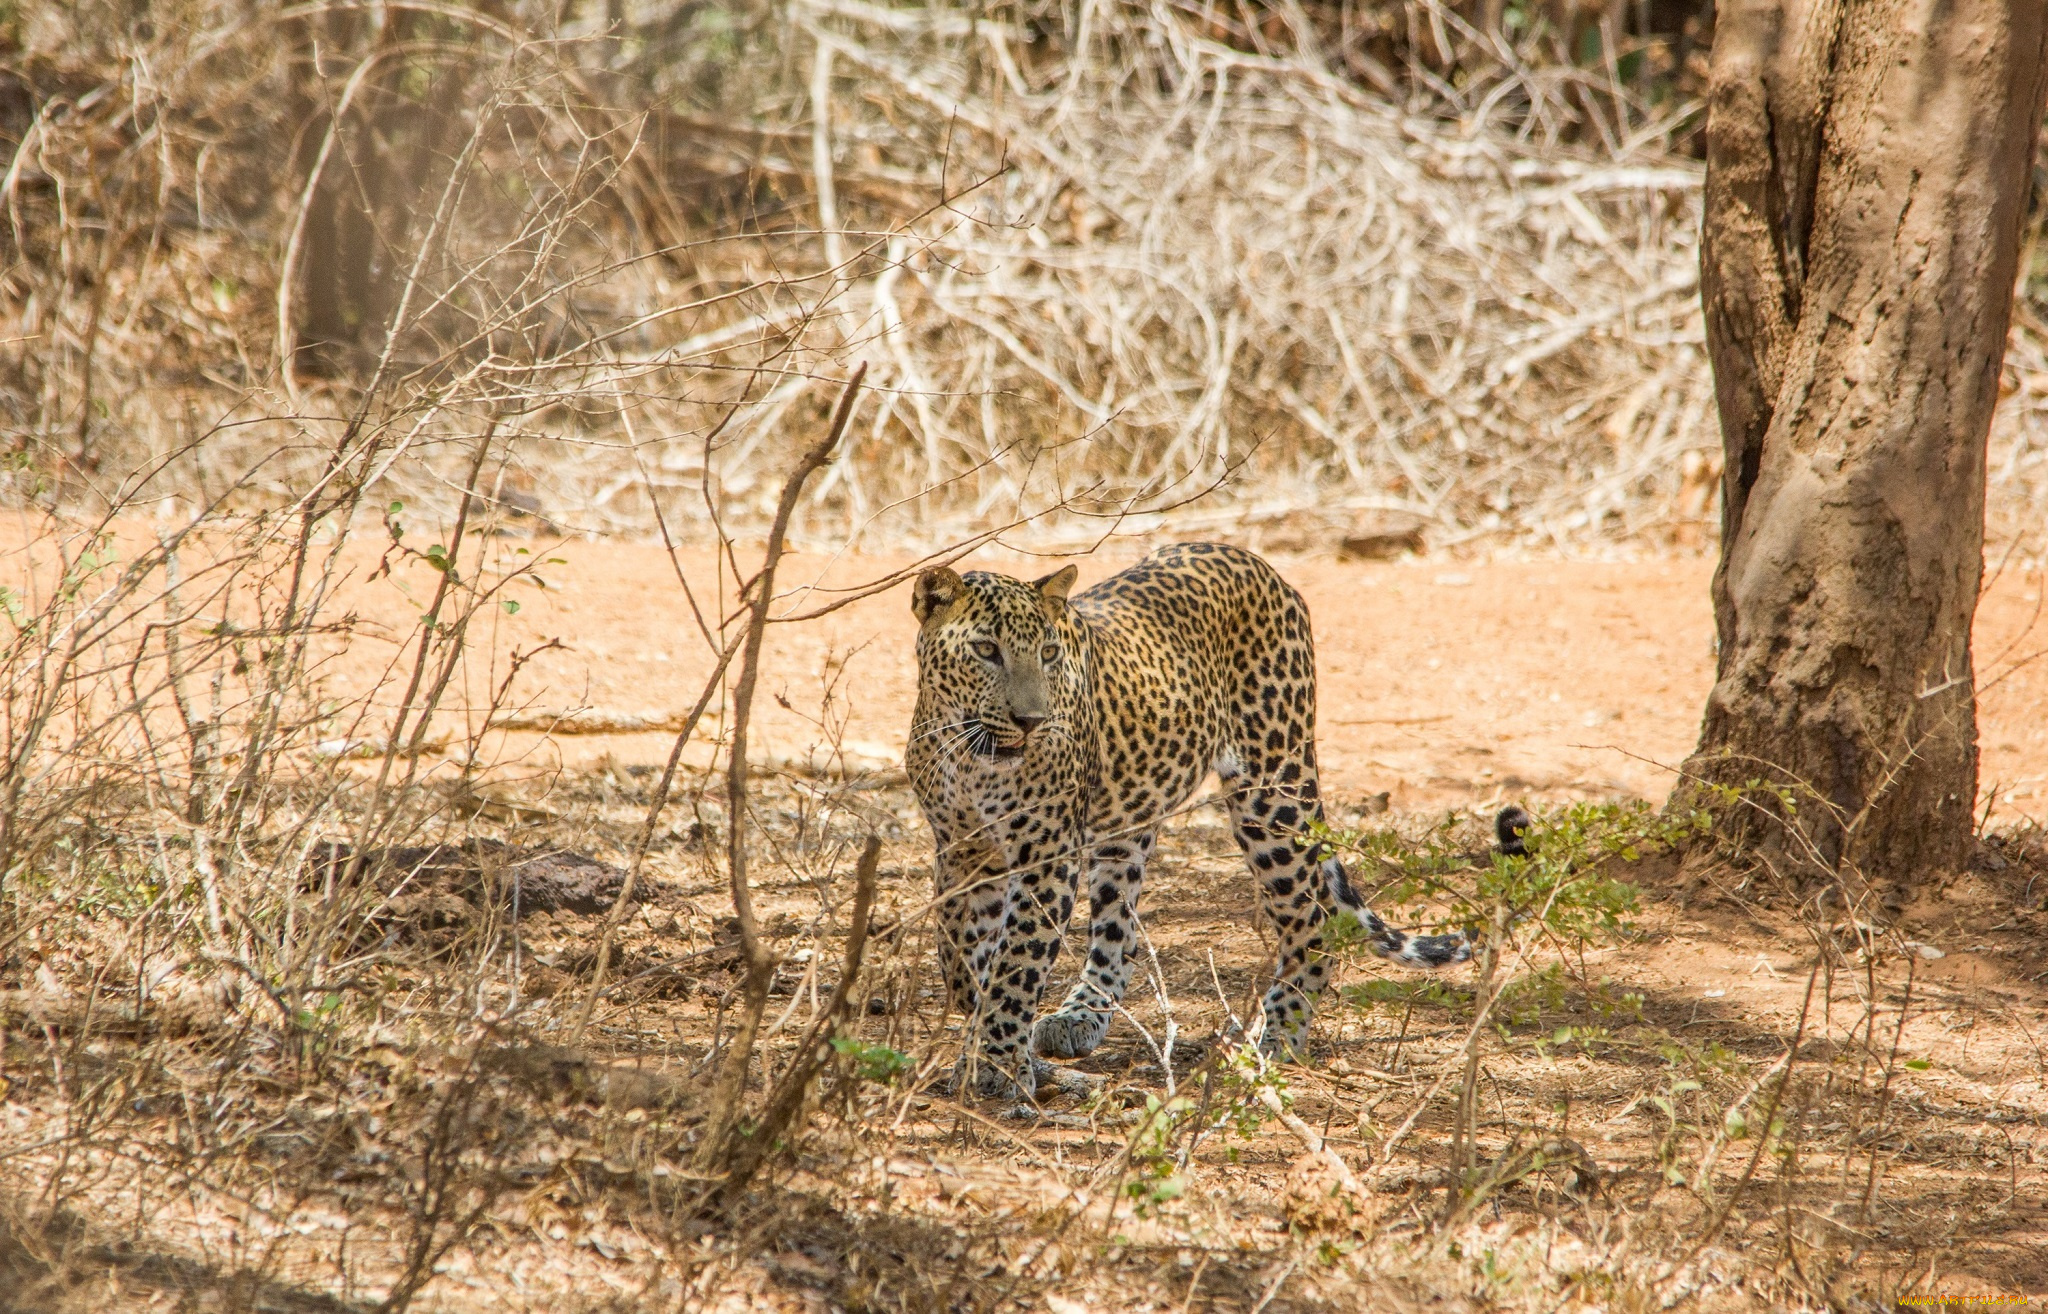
[(1120, 251), (1213, 256)]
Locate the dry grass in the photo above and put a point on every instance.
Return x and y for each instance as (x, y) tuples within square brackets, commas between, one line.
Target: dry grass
[(180, 1137), (1209, 256)]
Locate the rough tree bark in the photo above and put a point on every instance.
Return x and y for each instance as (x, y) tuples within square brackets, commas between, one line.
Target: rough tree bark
[(1867, 173)]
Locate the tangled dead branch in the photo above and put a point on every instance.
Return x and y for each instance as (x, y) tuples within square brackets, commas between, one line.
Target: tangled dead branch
[(1131, 261)]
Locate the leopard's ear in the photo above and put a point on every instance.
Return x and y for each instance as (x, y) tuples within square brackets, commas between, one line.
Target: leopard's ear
[(1053, 588), (935, 591)]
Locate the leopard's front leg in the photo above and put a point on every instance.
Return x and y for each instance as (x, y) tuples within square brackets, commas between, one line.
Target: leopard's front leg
[(1081, 1021), (1044, 861), (973, 902)]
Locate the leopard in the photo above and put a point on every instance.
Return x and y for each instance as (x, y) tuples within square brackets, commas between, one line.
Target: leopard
[(1051, 737)]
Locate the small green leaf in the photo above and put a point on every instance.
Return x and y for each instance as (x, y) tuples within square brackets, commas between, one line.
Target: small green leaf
[(394, 508), (877, 1063), (511, 607), (1918, 1065)]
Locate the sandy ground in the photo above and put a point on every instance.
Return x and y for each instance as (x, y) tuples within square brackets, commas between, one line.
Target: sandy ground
[(1919, 1162), (1440, 682), (1445, 684)]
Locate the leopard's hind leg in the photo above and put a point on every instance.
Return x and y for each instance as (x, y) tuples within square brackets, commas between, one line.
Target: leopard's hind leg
[(1271, 806)]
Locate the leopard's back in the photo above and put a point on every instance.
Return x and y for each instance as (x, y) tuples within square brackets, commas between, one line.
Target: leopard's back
[(1202, 656)]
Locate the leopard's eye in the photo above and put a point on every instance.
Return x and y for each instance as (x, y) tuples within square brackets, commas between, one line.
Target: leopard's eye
[(1050, 653), (987, 651)]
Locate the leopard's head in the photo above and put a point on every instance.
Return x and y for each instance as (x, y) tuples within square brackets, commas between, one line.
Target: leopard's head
[(997, 664)]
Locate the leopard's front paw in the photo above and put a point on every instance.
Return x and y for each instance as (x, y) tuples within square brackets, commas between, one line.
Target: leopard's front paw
[(995, 1079), (1069, 1033)]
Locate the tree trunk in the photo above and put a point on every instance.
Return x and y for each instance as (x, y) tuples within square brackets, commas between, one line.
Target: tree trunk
[(1867, 173), (378, 187)]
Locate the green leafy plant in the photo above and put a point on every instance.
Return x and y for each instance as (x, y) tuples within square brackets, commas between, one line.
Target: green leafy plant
[(1566, 891), (1233, 1094), (1153, 1152), (1429, 992), (1567, 884), (1244, 1078), (872, 1062)]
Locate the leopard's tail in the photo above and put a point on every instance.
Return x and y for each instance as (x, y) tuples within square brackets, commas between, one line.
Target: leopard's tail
[(1391, 942), (1406, 946)]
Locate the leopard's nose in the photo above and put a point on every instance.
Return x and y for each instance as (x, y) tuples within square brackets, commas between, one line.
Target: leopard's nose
[(1027, 723)]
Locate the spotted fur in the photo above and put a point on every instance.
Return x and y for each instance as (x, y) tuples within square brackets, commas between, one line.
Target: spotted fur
[(1052, 736)]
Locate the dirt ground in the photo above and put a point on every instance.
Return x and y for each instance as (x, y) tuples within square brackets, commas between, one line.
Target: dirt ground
[(1447, 685), (1440, 683), (1903, 1076)]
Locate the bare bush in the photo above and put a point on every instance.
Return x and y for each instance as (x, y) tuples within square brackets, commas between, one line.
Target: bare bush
[(1471, 312)]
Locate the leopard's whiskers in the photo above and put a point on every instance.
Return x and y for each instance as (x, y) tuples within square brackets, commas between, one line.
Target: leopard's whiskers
[(956, 733), (948, 733)]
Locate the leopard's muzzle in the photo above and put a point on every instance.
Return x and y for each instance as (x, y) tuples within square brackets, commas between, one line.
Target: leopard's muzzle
[(997, 745)]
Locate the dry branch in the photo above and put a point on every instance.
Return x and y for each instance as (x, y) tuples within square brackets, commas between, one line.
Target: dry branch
[(589, 721), (730, 1083)]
